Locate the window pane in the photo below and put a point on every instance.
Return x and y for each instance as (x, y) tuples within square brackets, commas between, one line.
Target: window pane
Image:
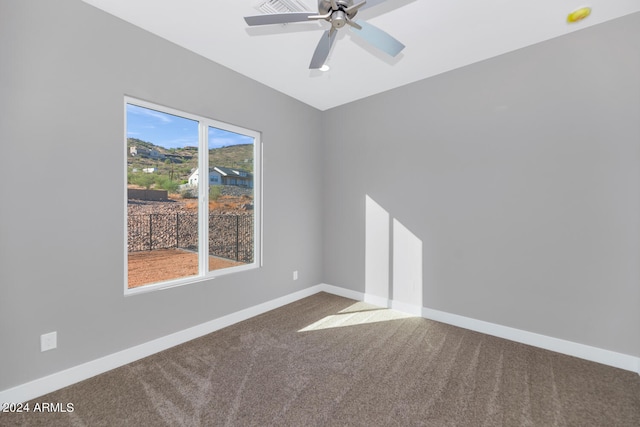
[(162, 208), (176, 162), (231, 199)]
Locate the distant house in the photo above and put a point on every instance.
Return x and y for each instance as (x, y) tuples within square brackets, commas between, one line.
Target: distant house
[(149, 170), (145, 152), (155, 154), (224, 176), (215, 178)]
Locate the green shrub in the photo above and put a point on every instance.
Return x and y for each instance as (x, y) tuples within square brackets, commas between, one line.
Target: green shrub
[(214, 192), (142, 179), (163, 181)]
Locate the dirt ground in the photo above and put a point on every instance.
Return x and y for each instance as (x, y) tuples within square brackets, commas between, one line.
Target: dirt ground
[(154, 266)]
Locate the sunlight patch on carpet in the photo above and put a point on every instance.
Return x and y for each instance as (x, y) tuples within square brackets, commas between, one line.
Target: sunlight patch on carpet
[(359, 313)]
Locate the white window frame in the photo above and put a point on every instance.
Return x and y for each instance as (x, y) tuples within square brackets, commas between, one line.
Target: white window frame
[(203, 200)]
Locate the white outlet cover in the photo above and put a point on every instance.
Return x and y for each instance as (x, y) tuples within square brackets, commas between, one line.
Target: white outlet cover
[(48, 341)]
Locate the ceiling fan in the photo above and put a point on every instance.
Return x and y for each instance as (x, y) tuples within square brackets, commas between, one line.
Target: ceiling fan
[(338, 13)]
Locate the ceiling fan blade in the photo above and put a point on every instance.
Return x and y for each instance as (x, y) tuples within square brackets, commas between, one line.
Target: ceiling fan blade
[(322, 50), (378, 38), (371, 3), (355, 7), (277, 18)]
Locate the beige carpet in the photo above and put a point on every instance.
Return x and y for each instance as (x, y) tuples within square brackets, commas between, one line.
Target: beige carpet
[(329, 361)]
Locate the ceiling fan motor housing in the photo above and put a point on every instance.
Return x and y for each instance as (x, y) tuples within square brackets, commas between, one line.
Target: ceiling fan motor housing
[(324, 7), (338, 19)]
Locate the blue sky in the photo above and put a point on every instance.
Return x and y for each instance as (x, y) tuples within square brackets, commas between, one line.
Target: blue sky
[(170, 131)]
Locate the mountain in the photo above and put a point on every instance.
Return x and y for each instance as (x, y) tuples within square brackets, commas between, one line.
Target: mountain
[(178, 163), (233, 156)]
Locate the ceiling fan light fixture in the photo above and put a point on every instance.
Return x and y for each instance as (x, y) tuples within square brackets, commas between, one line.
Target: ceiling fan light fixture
[(324, 67)]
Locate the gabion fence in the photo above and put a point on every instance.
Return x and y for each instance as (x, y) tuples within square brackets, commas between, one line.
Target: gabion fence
[(230, 235)]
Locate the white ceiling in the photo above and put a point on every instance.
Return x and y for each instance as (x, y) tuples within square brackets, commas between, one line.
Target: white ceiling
[(440, 35)]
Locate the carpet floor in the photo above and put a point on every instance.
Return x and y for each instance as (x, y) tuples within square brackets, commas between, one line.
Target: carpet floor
[(331, 361)]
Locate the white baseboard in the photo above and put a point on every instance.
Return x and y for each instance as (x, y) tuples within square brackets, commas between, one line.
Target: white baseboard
[(414, 310), (53, 382), (582, 351), (341, 292), (376, 300), (58, 380)]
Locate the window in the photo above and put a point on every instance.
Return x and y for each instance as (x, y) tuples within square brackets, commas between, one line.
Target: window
[(181, 229)]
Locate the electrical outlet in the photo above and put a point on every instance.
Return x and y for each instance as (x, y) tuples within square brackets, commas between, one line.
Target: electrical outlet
[(295, 275), (48, 341)]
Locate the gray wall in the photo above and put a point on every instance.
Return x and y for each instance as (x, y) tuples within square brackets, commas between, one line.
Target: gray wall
[(519, 175), (65, 69)]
